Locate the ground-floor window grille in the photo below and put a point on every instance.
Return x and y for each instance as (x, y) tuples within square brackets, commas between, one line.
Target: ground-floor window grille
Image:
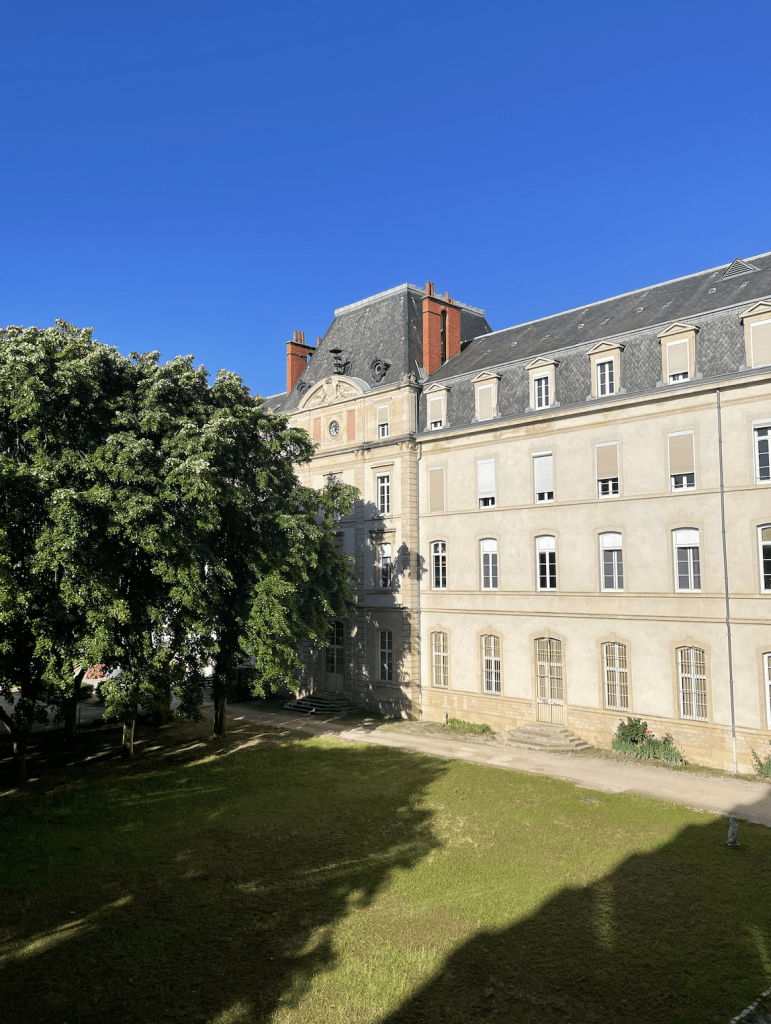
[(616, 676), (441, 657), (336, 649), (491, 664), (549, 660), (386, 656), (767, 685), (692, 671)]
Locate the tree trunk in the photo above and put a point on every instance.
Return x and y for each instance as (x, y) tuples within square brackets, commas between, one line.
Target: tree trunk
[(71, 706), (220, 717), (20, 744), (127, 749)]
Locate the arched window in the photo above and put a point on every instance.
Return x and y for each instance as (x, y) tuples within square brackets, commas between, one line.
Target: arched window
[(692, 678), (439, 565), (386, 656), (548, 654), (615, 674), (764, 541), (489, 560), (491, 664), (335, 648), (440, 654), (546, 554), (612, 561), (687, 561)]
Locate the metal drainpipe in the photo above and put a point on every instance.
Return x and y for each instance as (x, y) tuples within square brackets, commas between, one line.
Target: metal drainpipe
[(725, 572), (417, 553)]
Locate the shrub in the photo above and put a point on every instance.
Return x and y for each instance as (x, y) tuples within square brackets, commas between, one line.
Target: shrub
[(763, 767), (633, 737), (460, 726), (631, 731)]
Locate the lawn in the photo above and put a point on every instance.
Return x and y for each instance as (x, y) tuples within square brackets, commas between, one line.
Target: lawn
[(308, 881)]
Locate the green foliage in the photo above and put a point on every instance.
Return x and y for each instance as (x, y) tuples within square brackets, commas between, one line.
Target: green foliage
[(458, 725), (762, 766), (633, 737)]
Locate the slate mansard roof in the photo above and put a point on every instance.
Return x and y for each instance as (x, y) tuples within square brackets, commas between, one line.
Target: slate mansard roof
[(388, 328), (711, 300)]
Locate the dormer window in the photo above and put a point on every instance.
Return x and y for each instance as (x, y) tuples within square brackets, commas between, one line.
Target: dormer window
[(678, 353), (485, 395), (436, 406), (542, 378), (757, 334), (605, 359), (541, 392)]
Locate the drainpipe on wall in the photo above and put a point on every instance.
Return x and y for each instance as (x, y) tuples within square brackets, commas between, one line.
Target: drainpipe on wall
[(417, 553), (725, 575)]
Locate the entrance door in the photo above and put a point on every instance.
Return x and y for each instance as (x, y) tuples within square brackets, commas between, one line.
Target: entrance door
[(550, 698), (335, 675)]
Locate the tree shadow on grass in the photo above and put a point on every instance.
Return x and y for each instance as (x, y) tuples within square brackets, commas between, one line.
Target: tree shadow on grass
[(680, 935), (217, 884)]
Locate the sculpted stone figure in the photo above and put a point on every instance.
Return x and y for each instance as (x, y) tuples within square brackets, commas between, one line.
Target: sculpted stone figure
[(733, 832)]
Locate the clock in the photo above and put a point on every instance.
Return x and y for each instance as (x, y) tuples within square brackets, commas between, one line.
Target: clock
[(334, 428)]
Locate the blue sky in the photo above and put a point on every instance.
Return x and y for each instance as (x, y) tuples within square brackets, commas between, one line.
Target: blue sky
[(206, 178)]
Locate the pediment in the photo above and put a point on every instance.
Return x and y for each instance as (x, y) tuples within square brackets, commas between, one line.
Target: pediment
[(541, 363), (436, 387), (605, 346), (330, 390), (679, 327), (485, 375), (757, 309)]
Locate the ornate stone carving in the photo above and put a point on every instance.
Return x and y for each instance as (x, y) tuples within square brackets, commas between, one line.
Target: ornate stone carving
[(379, 368), (331, 389)]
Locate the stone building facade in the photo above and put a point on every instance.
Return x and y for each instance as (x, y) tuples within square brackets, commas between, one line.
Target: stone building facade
[(578, 523)]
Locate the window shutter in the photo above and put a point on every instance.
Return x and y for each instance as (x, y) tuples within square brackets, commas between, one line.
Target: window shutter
[(436, 489), (382, 414), (434, 410), (485, 402), (317, 429), (544, 475), (607, 460), (760, 335), (681, 453), (677, 357), (486, 478), (351, 424)]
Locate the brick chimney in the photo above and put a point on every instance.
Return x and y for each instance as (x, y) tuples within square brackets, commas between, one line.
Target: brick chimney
[(441, 329), (297, 354)]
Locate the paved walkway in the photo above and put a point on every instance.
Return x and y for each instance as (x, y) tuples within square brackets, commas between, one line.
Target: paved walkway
[(749, 801)]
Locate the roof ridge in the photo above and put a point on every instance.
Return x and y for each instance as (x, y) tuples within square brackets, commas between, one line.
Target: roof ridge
[(393, 291)]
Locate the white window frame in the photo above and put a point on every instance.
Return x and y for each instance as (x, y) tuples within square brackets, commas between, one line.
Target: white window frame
[(440, 659), (386, 656), (488, 559), (612, 541), (683, 540), (545, 545), (606, 370), (686, 485), (548, 495), (385, 571), (767, 685), (757, 438), (541, 395), (492, 678), (673, 378), (615, 675), (439, 395), (486, 499), (688, 673), (383, 491), (756, 323), (761, 560), (336, 648), (438, 565), (479, 390), (383, 424)]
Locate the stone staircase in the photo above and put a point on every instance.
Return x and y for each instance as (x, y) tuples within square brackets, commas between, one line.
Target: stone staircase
[(543, 736), (323, 703)]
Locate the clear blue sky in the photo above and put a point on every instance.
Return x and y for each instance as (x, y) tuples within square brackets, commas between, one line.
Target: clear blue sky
[(208, 177)]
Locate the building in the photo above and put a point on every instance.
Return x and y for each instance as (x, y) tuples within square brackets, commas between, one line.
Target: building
[(565, 521)]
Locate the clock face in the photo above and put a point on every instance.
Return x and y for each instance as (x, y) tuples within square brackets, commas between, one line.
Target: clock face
[(334, 428)]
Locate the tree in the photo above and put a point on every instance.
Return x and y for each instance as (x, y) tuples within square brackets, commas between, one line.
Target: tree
[(150, 520)]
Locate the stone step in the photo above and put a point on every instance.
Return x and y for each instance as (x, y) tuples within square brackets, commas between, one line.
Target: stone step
[(544, 736), (321, 702)]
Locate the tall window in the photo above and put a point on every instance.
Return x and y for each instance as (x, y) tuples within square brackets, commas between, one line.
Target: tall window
[(692, 672), (764, 539), (678, 360), (435, 412), (384, 493), (385, 572), (606, 384), (543, 476), (548, 656), (440, 659), (767, 685), (687, 562), (386, 656), (491, 664), (382, 421), (606, 457), (611, 553), (762, 469), (439, 565), (541, 392), (616, 676), (489, 551), (486, 482), (546, 551), (335, 649), (682, 474)]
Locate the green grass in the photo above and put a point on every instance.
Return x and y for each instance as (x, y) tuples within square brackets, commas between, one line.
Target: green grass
[(308, 881), (458, 725)]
